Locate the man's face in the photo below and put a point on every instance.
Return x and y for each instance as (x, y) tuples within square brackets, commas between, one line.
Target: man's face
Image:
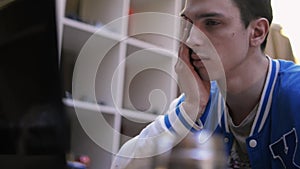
[(217, 26)]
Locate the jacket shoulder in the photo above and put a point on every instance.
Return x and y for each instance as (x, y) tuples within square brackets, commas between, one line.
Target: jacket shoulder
[(288, 82)]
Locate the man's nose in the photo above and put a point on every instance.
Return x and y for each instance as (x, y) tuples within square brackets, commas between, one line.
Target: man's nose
[(195, 38)]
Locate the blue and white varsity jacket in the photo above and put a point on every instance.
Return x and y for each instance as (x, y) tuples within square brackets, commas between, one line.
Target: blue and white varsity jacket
[(273, 140)]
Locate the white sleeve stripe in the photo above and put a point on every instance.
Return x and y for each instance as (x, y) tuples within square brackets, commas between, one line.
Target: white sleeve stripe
[(178, 122), (186, 119)]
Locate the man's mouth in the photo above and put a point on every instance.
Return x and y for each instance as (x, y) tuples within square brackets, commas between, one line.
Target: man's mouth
[(196, 61)]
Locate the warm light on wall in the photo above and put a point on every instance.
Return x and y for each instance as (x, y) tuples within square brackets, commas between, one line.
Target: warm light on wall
[(285, 14)]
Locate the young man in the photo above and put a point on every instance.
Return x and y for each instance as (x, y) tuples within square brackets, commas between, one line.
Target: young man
[(227, 80)]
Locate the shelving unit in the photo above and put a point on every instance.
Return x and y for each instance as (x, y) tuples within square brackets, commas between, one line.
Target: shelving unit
[(148, 77), (133, 83)]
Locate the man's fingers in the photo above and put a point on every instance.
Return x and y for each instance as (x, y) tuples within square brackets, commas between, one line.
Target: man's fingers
[(184, 53), (183, 58)]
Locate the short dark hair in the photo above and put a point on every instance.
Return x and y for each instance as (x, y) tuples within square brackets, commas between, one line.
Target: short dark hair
[(253, 9)]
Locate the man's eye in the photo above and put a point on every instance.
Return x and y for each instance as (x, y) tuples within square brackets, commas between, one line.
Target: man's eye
[(211, 23)]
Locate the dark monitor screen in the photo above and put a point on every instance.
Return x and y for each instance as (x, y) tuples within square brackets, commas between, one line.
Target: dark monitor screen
[(32, 120)]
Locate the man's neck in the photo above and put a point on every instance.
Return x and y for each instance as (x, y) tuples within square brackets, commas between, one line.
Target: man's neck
[(244, 87)]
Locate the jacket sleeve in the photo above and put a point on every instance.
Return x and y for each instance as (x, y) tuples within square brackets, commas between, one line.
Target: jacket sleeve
[(175, 123)]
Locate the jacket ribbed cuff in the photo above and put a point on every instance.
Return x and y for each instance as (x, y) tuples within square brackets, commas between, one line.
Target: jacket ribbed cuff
[(178, 122)]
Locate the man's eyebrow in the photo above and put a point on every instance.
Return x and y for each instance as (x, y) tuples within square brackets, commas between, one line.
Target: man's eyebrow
[(204, 15), (207, 15)]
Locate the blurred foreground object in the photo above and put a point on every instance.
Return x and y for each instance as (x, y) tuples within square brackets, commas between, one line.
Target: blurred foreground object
[(195, 151)]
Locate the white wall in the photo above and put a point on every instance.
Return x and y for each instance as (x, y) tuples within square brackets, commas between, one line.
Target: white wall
[(286, 14)]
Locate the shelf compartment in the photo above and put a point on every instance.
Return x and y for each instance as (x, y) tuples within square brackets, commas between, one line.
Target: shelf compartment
[(81, 141), (154, 28), (165, 6), (93, 76), (154, 22), (96, 12), (148, 77), (72, 42)]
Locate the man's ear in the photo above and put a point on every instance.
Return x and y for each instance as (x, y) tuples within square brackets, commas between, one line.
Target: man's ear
[(260, 29)]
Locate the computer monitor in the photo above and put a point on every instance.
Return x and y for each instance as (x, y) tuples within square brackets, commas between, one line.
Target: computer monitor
[(32, 119)]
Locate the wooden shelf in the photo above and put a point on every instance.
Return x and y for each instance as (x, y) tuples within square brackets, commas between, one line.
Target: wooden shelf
[(102, 31), (89, 106)]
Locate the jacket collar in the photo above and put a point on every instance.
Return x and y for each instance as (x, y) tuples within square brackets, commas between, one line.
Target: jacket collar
[(264, 104)]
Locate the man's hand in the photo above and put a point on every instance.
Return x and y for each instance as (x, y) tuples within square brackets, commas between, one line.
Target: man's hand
[(196, 90)]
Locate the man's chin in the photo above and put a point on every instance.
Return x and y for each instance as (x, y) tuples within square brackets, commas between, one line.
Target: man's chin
[(210, 75)]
